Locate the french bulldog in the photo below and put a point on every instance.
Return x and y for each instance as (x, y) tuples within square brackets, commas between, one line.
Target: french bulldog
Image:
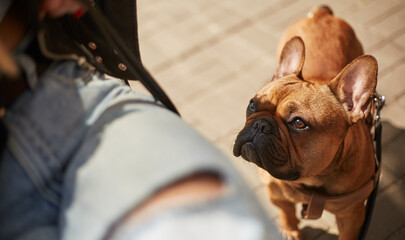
[(306, 128)]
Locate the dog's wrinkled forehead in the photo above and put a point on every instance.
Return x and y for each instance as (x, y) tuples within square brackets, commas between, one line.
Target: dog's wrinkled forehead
[(276, 91), (290, 97)]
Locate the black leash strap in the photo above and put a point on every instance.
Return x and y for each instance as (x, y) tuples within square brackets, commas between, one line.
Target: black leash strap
[(379, 101), (3, 137), (133, 64)]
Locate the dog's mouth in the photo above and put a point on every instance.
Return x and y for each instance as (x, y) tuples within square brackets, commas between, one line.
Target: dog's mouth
[(249, 153), (267, 151), (277, 168)]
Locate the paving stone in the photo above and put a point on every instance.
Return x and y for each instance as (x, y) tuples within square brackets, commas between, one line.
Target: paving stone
[(386, 178), (217, 110), (389, 214), (341, 9), (400, 235), (316, 233), (193, 86), (391, 24), (195, 7), (387, 56), (369, 11), (261, 38), (236, 52), (260, 71), (391, 84), (222, 18), (148, 26), (173, 75), (327, 236), (401, 103), (389, 133), (215, 20), (394, 112), (249, 9), (226, 143), (242, 81), (152, 54), (368, 39), (153, 17), (169, 43), (400, 40), (394, 156), (234, 96), (279, 20), (272, 210)]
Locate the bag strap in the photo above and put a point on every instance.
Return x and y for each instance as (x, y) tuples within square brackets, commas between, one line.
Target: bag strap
[(132, 63)]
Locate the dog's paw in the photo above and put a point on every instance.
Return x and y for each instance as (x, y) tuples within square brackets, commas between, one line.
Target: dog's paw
[(291, 234)]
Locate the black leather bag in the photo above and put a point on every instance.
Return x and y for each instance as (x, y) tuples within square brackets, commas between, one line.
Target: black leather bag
[(107, 37), (66, 36)]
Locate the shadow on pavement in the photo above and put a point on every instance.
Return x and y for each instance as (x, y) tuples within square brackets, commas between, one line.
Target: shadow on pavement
[(318, 234)]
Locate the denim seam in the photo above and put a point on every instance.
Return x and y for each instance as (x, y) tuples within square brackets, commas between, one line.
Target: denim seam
[(33, 173)]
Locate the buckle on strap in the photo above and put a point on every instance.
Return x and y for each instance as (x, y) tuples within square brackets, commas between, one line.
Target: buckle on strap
[(379, 101)]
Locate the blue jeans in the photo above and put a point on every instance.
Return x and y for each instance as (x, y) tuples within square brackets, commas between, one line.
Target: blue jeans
[(84, 150)]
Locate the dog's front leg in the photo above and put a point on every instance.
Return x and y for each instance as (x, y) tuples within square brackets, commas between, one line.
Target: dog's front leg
[(350, 222), (288, 221)]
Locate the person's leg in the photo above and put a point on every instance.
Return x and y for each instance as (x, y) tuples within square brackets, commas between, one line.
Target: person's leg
[(41, 126), (136, 151), (45, 126), (24, 213)]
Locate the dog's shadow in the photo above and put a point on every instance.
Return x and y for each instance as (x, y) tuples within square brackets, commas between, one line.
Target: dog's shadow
[(388, 218), (318, 234)]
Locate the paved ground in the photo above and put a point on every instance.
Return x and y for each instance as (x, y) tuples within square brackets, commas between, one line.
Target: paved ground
[(212, 56)]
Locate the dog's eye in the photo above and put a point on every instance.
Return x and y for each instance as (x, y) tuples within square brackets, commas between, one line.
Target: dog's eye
[(251, 107), (299, 123)]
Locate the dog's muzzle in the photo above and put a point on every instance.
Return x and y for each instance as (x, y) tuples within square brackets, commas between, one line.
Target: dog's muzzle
[(260, 142)]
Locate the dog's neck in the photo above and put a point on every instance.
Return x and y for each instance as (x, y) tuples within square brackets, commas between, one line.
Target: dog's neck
[(353, 159)]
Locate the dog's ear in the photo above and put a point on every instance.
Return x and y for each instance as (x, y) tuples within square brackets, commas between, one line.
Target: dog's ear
[(291, 59), (355, 85)]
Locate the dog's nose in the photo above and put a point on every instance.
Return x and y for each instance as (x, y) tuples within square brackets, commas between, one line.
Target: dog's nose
[(263, 125)]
